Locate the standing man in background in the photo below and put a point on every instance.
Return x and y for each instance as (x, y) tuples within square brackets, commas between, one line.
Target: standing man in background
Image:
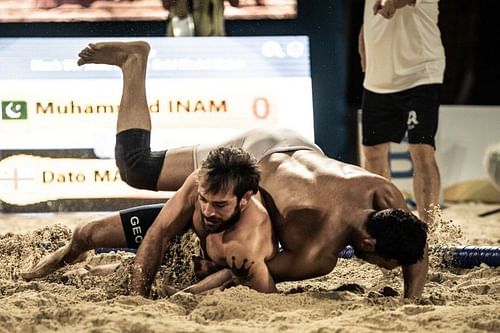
[(196, 17), (403, 59)]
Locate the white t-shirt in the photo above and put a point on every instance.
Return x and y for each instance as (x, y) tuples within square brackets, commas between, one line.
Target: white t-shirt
[(405, 51)]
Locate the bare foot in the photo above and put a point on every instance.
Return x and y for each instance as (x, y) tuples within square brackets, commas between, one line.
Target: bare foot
[(52, 263), (113, 53), (47, 265)]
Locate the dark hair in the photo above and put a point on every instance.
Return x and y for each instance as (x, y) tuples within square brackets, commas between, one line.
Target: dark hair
[(399, 235), (229, 166)]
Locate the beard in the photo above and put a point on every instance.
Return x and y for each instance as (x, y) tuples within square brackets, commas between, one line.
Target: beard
[(222, 225)]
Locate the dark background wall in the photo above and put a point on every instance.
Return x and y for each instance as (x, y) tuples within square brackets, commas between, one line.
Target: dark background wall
[(469, 30)]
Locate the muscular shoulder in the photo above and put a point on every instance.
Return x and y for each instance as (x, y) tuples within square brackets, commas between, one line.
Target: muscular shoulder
[(253, 235), (255, 217), (189, 190), (259, 212), (387, 195)]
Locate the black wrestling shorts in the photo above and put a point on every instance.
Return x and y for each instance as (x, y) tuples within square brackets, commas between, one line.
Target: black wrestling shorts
[(387, 117), (136, 222), (138, 165)]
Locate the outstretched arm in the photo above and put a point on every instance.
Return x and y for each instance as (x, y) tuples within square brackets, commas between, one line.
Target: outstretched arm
[(174, 217), (415, 276), (251, 274), (214, 280)]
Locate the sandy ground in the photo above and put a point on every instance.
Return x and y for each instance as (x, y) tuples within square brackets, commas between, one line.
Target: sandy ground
[(355, 297)]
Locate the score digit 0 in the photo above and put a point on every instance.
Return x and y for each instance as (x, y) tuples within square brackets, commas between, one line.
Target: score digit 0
[(260, 108)]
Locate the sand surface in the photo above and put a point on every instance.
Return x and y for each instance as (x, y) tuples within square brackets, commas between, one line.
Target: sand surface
[(355, 297)]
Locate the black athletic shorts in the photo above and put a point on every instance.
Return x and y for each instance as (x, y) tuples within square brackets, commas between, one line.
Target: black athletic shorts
[(136, 222), (387, 117)]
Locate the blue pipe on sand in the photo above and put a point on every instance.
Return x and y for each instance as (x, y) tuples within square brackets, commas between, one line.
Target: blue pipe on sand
[(463, 256)]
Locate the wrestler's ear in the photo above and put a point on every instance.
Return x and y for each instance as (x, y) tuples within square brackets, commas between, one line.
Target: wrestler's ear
[(368, 244), (246, 198)]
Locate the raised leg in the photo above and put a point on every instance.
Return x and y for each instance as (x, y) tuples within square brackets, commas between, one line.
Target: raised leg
[(132, 59), (139, 167)]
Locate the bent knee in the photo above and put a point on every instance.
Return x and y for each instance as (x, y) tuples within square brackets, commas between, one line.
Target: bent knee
[(139, 167), (141, 170), (82, 237)]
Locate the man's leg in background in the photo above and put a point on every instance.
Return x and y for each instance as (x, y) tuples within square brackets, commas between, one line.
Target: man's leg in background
[(376, 159), (426, 179)]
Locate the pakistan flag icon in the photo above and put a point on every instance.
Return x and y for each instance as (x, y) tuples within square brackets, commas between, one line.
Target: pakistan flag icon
[(14, 110)]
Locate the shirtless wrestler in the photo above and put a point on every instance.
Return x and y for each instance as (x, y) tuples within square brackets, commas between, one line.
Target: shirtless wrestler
[(317, 205), (217, 201)]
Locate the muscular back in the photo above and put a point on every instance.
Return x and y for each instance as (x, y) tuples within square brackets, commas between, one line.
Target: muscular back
[(311, 198), (307, 179)]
